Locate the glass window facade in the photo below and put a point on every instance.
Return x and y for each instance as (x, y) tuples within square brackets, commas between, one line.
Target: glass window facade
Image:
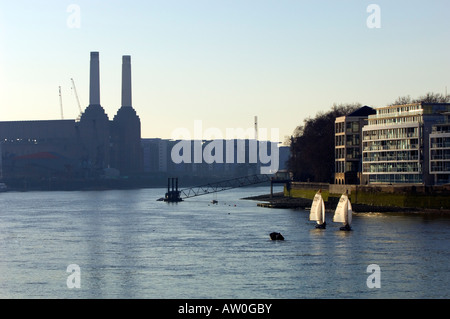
[(440, 152), (407, 144), (392, 143), (348, 149)]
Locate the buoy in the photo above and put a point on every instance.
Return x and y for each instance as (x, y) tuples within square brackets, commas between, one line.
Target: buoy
[(276, 236)]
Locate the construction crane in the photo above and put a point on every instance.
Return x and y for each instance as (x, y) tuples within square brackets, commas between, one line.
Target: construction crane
[(60, 104), (76, 96)]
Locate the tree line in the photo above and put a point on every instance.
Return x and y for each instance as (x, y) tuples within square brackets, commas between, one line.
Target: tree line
[(427, 98), (312, 144)]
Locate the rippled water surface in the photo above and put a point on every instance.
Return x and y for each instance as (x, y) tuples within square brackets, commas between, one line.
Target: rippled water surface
[(128, 245)]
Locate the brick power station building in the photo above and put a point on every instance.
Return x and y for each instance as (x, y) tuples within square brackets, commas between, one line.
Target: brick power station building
[(91, 147)]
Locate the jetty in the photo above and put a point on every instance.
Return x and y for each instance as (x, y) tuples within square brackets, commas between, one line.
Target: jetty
[(384, 198), (174, 194)]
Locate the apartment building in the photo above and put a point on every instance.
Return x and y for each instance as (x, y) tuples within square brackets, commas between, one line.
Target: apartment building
[(396, 144), (439, 152), (348, 146)]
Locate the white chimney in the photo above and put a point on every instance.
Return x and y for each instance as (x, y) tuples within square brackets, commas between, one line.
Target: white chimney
[(126, 80), (94, 84)]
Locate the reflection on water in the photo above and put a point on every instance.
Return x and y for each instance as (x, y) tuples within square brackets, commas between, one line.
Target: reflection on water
[(128, 245)]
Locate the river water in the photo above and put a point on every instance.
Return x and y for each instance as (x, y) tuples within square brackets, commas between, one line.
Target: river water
[(128, 245)]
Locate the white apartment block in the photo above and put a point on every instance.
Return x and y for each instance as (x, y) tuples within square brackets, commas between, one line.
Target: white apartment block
[(440, 151), (396, 144)]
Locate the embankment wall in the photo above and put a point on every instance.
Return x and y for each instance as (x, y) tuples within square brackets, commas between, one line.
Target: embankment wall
[(408, 196)]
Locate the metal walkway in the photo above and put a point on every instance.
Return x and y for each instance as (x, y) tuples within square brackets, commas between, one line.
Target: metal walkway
[(223, 185)]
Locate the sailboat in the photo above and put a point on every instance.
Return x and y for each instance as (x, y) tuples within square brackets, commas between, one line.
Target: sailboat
[(343, 213), (317, 211)]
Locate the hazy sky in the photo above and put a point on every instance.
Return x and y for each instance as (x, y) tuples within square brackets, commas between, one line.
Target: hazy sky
[(222, 62)]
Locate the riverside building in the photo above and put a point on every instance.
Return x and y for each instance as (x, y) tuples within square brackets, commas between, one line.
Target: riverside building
[(440, 151), (89, 147), (401, 144), (348, 145)]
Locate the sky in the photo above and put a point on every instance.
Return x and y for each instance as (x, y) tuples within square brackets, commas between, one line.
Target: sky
[(221, 62)]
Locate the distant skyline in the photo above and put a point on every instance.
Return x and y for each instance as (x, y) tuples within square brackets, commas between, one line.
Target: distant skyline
[(221, 62)]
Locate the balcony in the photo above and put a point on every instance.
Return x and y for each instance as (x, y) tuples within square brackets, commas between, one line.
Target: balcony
[(391, 159), (390, 136), (440, 145), (390, 147), (396, 114)]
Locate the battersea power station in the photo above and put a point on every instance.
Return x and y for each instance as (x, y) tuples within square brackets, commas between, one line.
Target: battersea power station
[(89, 148)]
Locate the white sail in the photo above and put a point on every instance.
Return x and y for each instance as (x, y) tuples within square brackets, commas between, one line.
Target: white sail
[(341, 213), (349, 212), (323, 213), (317, 211)]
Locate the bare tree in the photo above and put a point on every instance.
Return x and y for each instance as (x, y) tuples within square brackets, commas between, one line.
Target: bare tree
[(434, 98), (402, 100), (430, 97), (312, 145)]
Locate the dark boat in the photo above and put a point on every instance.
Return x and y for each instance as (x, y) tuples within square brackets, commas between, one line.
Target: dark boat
[(276, 236)]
